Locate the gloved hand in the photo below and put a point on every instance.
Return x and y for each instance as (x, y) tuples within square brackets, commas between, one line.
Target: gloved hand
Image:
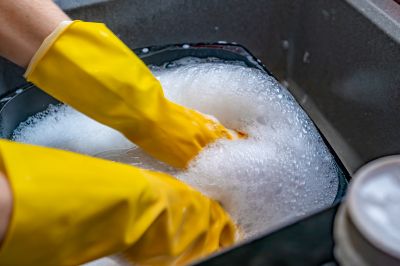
[(70, 208), (86, 66)]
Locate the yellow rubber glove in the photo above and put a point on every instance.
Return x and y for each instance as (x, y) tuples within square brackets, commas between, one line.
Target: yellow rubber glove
[(86, 66), (70, 208)]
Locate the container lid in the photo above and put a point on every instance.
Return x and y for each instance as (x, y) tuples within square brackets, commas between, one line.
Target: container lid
[(374, 203)]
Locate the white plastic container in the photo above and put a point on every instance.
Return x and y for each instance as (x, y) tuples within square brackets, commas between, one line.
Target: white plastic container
[(367, 226)]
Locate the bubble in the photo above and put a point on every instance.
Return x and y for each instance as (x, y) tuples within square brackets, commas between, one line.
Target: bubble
[(62, 127), (285, 44)]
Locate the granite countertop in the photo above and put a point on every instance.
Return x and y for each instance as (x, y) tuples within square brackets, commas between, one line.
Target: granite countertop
[(70, 4)]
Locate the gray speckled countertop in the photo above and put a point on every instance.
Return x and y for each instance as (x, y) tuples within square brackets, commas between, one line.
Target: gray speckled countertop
[(70, 4)]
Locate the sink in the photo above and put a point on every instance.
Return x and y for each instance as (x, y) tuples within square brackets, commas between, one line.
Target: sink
[(340, 59)]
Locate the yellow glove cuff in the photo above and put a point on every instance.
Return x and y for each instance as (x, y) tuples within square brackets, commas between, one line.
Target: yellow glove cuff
[(45, 46)]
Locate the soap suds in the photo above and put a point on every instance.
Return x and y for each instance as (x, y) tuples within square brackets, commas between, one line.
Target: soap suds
[(281, 171)]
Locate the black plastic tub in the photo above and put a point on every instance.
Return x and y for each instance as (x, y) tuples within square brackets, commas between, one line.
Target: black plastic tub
[(28, 100)]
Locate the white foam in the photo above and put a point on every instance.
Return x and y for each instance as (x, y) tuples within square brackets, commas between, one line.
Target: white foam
[(63, 127), (283, 170)]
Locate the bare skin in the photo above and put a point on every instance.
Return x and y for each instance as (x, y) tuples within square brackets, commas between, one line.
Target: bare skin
[(5, 206), (24, 24)]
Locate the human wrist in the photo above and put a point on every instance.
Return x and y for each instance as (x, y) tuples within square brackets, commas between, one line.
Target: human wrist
[(24, 26)]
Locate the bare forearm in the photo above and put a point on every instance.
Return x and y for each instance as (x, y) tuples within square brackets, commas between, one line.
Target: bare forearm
[(5, 206), (24, 24)]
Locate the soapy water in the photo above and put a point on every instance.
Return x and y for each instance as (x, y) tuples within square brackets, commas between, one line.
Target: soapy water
[(282, 170)]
